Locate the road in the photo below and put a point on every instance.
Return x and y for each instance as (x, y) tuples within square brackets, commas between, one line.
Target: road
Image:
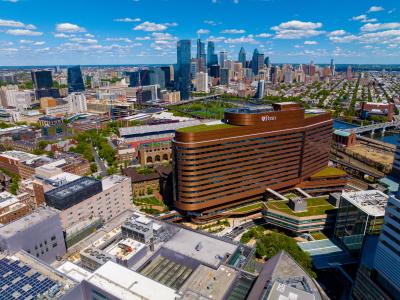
[(102, 169), (243, 227)]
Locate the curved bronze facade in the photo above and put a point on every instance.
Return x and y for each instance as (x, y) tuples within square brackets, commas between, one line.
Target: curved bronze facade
[(225, 165)]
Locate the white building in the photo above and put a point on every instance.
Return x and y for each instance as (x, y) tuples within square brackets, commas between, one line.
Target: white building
[(202, 82), (12, 97), (77, 103)]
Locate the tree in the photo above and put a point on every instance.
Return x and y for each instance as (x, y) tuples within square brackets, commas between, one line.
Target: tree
[(93, 167), (270, 244), (149, 190)]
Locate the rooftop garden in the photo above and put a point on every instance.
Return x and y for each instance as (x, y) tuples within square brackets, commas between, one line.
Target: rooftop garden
[(205, 127), (328, 172), (315, 206), (248, 208)]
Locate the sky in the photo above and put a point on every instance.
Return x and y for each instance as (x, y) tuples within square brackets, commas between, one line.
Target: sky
[(59, 32)]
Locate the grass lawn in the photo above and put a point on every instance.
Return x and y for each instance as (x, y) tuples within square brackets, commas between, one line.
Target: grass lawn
[(248, 207), (204, 127), (148, 200), (315, 206), (318, 236)]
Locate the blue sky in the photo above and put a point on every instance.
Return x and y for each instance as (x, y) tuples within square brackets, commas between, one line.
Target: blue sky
[(48, 32)]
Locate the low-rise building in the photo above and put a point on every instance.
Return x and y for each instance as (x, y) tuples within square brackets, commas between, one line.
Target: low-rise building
[(142, 183), (11, 160), (13, 207), (300, 215), (39, 233), (155, 153), (87, 197)]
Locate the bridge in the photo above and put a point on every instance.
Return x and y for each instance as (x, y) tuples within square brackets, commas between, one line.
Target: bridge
[(371, 128)]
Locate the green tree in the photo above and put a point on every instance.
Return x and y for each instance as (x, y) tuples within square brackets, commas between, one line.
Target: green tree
[(93, 167)]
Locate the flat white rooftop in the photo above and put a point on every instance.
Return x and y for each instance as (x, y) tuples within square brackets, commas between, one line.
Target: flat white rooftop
[(112, 180), (127, 284), (372, 202), (73, 271), (208, 250)]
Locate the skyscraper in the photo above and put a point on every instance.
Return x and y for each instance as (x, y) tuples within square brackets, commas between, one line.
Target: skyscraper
[(267, 62), (349, 73), (134, 78), (332, 67), (183, 68), (260, 89), (242, 57), (42, 79), (212, 58), (75, 80), (223, 56), (201, 56), (168, 75), (257, 61)]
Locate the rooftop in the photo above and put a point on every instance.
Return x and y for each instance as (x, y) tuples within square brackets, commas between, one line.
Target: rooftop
[(73, 271), (205, 127), (208, 250), (315, 207), (209, 282), (372, 202), (342, 133), (19, 155), (125, 249), (127, 284), (24, 277), (111, 181), (328, 172), (37, 216), (147, 129), (249, 110)]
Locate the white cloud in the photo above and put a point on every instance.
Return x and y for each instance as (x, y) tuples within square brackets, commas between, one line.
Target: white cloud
[(297, 29), (233, 31), (144, 38), (172, 24), (150, 26), (264, 35), (242, 40), (12, 1), (310, 42), (119, 39), (216, 39), (62, 35), (68, 27), (391, 11), (344, 39), (380, 26), (337, 32), (210, 22), (203, 31), (23, 32), (11, 23), (80, 40), (375, 9), (30, 26), (89, 35), (127, 20), (30, 42), (363, 19)]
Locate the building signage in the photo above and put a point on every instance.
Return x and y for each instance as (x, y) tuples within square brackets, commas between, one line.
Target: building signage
[(268, 118)]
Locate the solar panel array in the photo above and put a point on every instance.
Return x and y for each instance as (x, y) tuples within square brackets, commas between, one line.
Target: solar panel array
[(19, 281)]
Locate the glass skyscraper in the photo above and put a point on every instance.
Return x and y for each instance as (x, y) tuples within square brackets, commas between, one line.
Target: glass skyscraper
[(183, 68), (212, 58), (242, 57), (201, 56), (75, 80), (42, 79)]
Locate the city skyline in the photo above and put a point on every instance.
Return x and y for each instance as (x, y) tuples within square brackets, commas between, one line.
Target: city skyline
[(134, 32)]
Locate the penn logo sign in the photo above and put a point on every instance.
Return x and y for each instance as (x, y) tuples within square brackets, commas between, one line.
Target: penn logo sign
[(268, 118)]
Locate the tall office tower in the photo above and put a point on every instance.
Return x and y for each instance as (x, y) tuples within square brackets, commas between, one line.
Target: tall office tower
[(134, 78), (212, 58), (183, 68), (202, 82), (378, 276), (257, 62), (223, 56), (242, 57), (152, 76), (224, 77), (215, 71), (274, 148), (201, 56), (267, 63), (349, 73), (75, 80), (168, 75), (77, 103), (42, 79), (260, 89), (332, 67)]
